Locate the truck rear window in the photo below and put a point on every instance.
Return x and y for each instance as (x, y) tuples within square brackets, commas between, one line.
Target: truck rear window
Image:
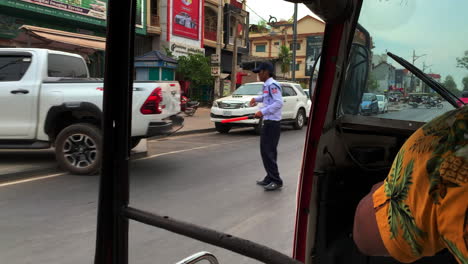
[(13, 67), (66, 67)]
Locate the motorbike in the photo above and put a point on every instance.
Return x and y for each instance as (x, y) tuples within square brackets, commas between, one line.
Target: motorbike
[(188, 106), (434, 103)]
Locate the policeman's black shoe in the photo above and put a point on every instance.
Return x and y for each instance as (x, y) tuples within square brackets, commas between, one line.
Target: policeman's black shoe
[(273, 186), (262, 183)]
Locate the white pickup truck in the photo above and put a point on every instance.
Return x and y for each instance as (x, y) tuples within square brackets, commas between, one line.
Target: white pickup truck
[(47, 99)]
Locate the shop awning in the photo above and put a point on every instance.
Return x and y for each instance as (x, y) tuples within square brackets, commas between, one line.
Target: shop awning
[(38, 37)]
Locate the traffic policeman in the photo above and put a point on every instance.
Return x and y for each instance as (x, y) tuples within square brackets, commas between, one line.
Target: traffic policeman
[(271, 113)]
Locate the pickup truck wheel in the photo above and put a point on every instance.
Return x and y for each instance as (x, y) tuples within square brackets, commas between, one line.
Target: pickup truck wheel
[(222, 128), (300, 119), (78, 149)]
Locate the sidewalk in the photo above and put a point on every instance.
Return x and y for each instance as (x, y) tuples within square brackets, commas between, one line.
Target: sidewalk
[(20, 163), (199, 123)]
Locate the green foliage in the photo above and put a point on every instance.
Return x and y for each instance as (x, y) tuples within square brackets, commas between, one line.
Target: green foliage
[(285, 60), (196, 69), (372, 84), (450, 84), (168, 52), (463, 61), (465, 83)]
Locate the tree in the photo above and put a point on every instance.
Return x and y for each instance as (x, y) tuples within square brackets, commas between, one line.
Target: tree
[(196, 69), (168, 52), (450, 84), (465, 83), (463, 61), (285, 60), (262, 27), (372, 84)]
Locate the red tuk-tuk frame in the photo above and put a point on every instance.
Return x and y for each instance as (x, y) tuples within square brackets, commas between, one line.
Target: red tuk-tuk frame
[(113, 208)]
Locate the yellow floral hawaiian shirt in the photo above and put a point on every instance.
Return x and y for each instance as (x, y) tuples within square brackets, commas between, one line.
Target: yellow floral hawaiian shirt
[(422, 207)]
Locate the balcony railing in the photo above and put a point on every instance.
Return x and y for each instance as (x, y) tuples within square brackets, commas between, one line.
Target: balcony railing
[(155, 21), (211, 35)]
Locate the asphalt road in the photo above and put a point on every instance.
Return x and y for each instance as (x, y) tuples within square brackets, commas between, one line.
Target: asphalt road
[(421, 113), (204, 179)]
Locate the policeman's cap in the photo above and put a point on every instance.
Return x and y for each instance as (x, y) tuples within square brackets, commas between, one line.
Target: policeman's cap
[(265, 66)]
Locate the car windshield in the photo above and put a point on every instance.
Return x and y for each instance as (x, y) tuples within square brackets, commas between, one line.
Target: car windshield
[(249, 89), (401, 28), (367, 97), (380, 98)]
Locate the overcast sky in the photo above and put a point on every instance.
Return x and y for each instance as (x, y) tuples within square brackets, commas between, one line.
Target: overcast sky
[(436, 28), (277, 8)]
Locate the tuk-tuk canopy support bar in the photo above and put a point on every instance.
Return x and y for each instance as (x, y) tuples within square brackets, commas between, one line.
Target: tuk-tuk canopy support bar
[(235, 244)]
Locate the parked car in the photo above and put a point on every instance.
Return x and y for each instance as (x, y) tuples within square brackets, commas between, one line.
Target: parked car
[(309, 100), (382, 103), (295, 108), (369, 104), (47, 99)]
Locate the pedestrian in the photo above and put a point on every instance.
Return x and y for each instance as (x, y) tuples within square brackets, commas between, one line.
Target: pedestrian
[(239, 76), (270, 113), (422, 206)]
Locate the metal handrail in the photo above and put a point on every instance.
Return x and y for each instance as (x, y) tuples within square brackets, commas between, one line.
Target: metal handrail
[(235, 244), (196, 258)]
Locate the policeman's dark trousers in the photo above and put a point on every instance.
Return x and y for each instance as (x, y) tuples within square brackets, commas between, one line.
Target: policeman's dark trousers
[(269, 139)]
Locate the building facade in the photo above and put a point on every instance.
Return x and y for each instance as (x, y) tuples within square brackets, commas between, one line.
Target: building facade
[(266, 44), (79, 26)]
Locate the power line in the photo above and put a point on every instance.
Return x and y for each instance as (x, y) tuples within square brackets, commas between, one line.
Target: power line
[(256, 13)]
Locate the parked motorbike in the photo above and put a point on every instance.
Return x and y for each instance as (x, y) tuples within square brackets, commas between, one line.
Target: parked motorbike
[(188, 106)]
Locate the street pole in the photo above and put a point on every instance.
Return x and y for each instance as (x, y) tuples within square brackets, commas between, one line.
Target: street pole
[(412, 84), (294, 47), (234, 58), (218, 89)]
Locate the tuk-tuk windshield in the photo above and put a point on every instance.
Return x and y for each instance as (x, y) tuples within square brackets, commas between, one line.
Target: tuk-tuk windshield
[(423, 33)]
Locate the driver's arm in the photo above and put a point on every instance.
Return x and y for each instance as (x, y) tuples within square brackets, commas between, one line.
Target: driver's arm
[(366, 233)]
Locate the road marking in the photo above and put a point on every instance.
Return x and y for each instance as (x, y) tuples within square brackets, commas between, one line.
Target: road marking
[(190, 149), (32, 179), (149, 157)]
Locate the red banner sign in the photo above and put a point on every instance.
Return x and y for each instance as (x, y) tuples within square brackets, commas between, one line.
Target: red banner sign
[(186, 18)]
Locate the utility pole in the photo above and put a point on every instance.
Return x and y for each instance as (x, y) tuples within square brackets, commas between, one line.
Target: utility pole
[(425, 88), (294, 44), (218, 89), (415, 57), (234, 56)]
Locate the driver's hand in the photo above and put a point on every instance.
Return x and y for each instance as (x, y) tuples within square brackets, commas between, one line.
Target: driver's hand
[(253, 102)]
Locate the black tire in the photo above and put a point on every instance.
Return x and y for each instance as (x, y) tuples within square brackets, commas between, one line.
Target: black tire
[(222, 128), (300, 119), (134, 141), (258, 128), (78, 149)]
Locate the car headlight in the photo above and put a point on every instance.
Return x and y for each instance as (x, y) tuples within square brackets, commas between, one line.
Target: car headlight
[(215, 104)]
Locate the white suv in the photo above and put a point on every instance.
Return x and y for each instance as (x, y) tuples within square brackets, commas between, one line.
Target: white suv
[(295, 107)]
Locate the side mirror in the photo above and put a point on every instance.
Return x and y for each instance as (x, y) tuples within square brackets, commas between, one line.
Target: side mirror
[(314, 76), (200, 258)]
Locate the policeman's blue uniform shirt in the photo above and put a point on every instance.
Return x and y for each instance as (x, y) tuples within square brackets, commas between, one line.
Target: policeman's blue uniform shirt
[(272, 99)]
